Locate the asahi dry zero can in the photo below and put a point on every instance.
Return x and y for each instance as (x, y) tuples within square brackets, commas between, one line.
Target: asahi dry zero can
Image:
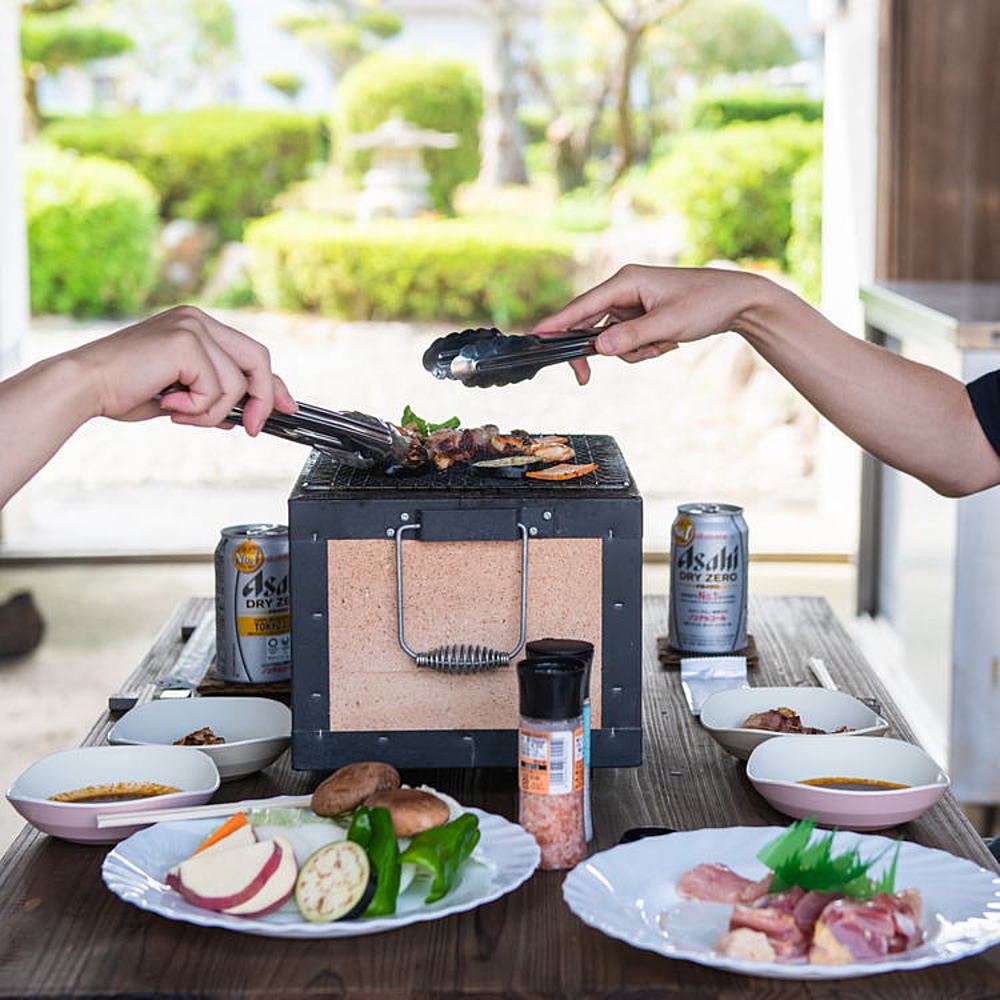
[(253, 642), (708, 578)]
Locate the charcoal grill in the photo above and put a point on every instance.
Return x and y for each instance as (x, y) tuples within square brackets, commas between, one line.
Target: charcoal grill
[(412, 594)]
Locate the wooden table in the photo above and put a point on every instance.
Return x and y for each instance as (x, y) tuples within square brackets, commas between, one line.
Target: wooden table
[(63, 934)]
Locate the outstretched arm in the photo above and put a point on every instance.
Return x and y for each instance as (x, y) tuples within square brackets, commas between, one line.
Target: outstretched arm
[(121, 375), (912, 417)]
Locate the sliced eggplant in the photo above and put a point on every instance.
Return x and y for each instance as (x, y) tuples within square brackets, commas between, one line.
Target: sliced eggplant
[(336, 883), (509, 467)]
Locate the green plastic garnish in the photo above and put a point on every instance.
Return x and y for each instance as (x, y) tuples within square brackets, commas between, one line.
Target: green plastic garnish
[(815, 868), (425, 427)]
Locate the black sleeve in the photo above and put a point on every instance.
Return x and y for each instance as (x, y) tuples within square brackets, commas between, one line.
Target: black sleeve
[(985, 396)]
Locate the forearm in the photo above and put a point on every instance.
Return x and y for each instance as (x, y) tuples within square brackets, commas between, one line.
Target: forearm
[(39, 409), (912, 417)]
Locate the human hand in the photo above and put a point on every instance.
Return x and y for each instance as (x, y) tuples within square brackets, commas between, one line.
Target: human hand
[(655, 309), (184, 346)]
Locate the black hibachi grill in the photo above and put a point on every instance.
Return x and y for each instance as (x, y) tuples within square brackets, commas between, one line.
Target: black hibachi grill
[(588, 528)]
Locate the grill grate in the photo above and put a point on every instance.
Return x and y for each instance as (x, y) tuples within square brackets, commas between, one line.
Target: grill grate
[(323, 475)]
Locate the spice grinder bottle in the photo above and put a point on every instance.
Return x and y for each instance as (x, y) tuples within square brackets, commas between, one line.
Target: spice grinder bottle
[(550, 757), (578, 649)]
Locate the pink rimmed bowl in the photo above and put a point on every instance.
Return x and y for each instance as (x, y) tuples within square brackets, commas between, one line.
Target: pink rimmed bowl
[(185, 768), (777, 768)]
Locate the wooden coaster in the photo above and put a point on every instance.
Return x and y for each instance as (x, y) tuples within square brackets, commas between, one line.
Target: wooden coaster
[(671, 658), (212, 683)]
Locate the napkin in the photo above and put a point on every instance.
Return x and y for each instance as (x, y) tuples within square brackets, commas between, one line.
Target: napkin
[(702, 676)]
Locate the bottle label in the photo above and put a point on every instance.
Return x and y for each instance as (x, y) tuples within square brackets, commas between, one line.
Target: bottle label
[(551, 763)]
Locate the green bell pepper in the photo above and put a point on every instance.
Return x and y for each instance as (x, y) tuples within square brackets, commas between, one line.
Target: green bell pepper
[(372, 830), (441, 851)]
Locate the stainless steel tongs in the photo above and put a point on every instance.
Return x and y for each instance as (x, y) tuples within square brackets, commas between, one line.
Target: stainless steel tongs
[(485, 358), (356, 439)]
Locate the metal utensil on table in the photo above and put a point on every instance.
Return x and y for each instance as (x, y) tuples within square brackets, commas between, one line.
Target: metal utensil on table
[(822, 675), (487, 357)]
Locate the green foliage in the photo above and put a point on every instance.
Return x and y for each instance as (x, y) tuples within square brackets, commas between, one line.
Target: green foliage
[(805, 257), (444, 95), (734, 186), (91, 228), (713, 110), (289, 84), (51, 41), (421, 270), (722, 36), (219, 165)]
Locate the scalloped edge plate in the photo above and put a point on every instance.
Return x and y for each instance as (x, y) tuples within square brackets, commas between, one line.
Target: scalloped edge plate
[(613, 891), (134, 871)]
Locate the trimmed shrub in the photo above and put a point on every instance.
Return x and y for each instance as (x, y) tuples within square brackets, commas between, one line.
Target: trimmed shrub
[(714, 110), (218, 165), (734, 186), (421, 270), (91, 229), (805, 247), (444, 95)]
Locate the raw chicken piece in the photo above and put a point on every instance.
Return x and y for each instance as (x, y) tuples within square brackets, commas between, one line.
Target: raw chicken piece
[(715, 883)]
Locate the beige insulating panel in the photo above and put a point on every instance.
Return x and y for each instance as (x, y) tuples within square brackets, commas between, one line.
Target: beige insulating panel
[(455, 592)]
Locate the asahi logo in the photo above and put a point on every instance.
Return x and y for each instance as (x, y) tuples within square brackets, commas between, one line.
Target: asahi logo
[(683, 531), (724, 560), (248, 557)]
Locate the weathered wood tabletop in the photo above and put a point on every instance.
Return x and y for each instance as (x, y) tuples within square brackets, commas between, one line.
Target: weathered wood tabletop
[(63, 934)]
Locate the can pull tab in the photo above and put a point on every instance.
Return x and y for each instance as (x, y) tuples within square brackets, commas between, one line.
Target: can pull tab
[(460, 658)]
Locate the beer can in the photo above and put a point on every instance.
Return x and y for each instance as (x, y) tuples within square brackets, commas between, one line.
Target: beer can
[(708, 578), (253, 642)]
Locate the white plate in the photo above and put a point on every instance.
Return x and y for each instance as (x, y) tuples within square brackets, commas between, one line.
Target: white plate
[(134, 871), (613, 892)]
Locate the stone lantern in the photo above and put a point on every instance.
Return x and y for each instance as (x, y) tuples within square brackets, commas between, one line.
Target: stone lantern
[(396, 186)]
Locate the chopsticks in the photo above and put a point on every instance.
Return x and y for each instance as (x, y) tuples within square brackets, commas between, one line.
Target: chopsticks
[(107, 821), (820, 672)]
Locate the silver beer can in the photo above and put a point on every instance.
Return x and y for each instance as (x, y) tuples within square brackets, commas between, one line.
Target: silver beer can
[(708, 578), (253, 641)]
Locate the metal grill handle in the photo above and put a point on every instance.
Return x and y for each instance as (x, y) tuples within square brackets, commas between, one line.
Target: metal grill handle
[(460, 658)]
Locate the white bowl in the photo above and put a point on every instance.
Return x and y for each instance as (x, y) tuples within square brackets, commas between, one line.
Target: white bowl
[(821, 708), (182, 767), (777, 767), (256, 730)]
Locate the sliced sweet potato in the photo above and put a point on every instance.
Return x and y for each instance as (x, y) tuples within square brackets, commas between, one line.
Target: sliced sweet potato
[(562, 471)]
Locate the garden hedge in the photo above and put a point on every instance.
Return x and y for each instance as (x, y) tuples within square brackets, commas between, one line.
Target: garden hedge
[(91, 229), (734, 186), (715, 110), (805, 256), (440, 94), (218, 165), (419, 270)]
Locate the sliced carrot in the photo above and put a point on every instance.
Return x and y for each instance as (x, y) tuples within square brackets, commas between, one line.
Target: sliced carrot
[(562, 471), (231, 824)]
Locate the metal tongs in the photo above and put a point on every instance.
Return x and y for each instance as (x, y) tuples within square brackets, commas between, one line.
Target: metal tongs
[(485, 358), (352, 438)]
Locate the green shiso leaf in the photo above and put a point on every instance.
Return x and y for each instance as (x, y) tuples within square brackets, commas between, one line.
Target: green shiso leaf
[(814, 867)]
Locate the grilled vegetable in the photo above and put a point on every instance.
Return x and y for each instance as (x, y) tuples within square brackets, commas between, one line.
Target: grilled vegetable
[(372, 829), (562, 471), (335, 883), (425, 427), (440, 852), (513, 466)]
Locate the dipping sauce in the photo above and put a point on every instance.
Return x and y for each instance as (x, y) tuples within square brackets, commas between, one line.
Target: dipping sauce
[(120, 791), (853, 784)]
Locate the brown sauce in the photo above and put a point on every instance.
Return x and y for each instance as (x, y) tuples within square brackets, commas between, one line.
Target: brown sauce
[(120, 791), (853, 784)]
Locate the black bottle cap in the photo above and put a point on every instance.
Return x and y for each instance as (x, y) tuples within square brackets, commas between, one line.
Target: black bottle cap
[(551, 687), (576, 649)]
